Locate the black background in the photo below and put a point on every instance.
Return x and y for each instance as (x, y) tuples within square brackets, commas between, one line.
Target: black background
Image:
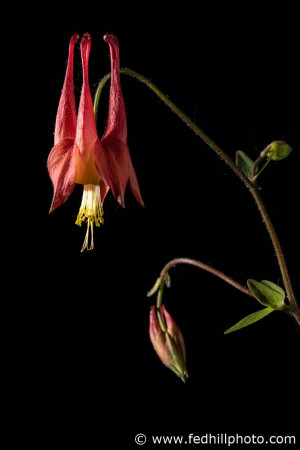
[(77, 354)]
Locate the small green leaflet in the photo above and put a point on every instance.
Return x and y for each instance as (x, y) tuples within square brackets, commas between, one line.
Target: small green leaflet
[(244, 163), (249, 320)]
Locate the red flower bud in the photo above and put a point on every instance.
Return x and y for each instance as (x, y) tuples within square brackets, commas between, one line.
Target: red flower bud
[(168, 344)]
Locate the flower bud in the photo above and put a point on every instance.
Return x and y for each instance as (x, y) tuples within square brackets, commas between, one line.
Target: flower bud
[(278, 150), (168, 344)]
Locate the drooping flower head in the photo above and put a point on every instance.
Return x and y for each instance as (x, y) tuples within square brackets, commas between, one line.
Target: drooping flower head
[(169, 343), (78, 155)]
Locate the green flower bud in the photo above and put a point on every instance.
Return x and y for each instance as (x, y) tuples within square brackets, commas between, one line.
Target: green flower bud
[(278, 150)]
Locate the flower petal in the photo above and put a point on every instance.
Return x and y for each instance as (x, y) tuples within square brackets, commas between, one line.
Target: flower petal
[(61, 167), (86, 134), (116, 124), (134, 185), (112, 160), (103, 190), (174, 332), (65, 125)]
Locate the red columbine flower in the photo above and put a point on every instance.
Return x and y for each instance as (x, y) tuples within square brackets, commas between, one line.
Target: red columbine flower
[(168, 343), (78, 156)]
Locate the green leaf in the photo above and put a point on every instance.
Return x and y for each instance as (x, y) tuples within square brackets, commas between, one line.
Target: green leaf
[(278, 150), (249, 320), (244, 163), (267, 293)]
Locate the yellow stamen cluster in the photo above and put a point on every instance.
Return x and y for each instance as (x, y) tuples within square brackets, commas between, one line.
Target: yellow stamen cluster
[(91, 212)]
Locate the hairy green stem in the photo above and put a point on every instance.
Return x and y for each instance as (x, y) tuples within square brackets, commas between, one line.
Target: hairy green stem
[(247, 182)]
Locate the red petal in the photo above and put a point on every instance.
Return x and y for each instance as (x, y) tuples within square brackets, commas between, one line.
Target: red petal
[(112, 160), (61, 167), (86, 126), (65, 126), (134, 185), (103, 190), (116, 125), (168, 318), (154, 324)]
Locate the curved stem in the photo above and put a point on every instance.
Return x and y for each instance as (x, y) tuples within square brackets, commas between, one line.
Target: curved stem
[(203, 266), (248, 183), (180, 114), (98, 93), (200, 265)]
